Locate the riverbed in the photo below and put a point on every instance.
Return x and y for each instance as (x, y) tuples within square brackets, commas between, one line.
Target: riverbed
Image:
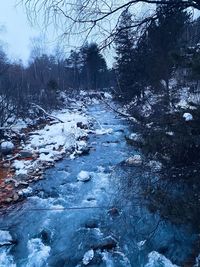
[(102, 222)]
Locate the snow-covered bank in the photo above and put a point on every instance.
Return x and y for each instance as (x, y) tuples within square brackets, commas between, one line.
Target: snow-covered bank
[(53, 141), (38, 147), (41, 148)]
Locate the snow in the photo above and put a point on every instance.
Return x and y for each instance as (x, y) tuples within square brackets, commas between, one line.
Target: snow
[(155, 165), (170, 133), (135, 137), (84, 176), (88, 256), (104, 131), (188, 117), (107, 95), (53, 141), (7, 145), (197, 261), (25, 191), (5, 238), (158, 260), (134, 160)]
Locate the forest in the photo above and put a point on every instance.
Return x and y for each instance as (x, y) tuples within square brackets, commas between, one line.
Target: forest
[(100, 144)]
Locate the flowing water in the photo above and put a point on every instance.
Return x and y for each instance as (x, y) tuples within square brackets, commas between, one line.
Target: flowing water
[(62, 219)]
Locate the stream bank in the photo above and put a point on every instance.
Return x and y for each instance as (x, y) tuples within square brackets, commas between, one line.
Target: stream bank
[(103, 222)]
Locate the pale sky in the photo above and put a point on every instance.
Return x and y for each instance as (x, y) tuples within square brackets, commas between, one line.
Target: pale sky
[(16, 32)]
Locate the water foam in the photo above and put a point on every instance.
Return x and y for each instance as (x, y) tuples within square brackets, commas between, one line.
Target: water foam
[(38, 253)]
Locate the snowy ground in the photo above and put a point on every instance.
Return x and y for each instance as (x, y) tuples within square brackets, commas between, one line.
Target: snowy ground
[(41, 148), (53, 141)]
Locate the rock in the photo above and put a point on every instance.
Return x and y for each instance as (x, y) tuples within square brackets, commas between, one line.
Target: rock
[(88, 257), (25, 154), (135, 137), (135, 160), (45, 236), (8, 200), (91, 199), (16, 197), (85, 151), (21, 178), (84, 176), (5, 238), (114, 212), (25, 192), (107, 243), (82, 125), (188, 117), (6, 147), (91, 224)]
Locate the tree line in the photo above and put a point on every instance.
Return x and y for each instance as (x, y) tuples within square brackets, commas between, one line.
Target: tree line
[(45, 77)]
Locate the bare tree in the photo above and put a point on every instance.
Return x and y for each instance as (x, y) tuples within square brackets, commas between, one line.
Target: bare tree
[(89, 17)]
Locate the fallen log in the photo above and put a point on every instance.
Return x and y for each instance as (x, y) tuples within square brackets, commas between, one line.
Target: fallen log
[(46, 113)]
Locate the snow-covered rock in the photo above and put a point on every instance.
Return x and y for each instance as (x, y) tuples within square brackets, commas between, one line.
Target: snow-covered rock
[(156, 259), (84, 176), (103, 131), (134, 160), (25, 191), (88, 256), (6, 147), (5, 238), (107, 95), (133, 136), (188, 116)]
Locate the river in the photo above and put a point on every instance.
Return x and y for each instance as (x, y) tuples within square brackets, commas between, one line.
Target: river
[(62, 219)]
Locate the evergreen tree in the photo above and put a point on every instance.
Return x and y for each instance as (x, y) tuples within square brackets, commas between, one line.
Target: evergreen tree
[(125, 60), (160, 42), (94, 69)]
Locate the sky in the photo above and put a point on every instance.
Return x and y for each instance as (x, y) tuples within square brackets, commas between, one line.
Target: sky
[(15, 30)]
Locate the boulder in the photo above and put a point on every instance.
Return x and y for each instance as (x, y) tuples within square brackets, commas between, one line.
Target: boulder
[(84, 176), (135, 160), (6, 147)]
